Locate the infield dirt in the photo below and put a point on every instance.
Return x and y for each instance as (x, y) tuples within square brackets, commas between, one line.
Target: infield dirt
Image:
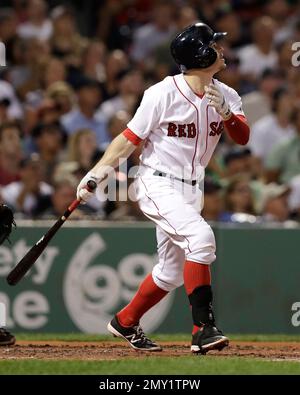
[(115, 350)]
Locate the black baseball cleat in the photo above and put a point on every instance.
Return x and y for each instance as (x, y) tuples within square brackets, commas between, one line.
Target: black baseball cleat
[(6, 338), (208, 338), (134, 335)]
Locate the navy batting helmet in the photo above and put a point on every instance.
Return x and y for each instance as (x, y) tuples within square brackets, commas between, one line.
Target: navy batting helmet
[(191, 49)]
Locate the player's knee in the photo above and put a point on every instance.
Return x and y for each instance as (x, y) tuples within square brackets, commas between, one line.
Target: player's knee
[(203, 247), (167, 281), (203, 255)]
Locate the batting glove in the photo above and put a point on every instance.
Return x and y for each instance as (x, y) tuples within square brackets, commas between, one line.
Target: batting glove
[(218, 101), (83, 193)]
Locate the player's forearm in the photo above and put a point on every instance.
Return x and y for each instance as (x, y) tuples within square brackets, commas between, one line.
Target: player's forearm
[(238, 129), (117, 152)]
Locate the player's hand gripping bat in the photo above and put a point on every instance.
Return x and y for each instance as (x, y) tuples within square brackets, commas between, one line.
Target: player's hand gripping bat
[(32, 255)]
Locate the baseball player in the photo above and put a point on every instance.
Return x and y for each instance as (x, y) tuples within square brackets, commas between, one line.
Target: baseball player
[(6, 338), (180, 121), (6, 225)]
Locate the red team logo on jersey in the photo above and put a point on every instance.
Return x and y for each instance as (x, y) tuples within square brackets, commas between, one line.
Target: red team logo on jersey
[(189, 130), (185, 130), (216, 128)]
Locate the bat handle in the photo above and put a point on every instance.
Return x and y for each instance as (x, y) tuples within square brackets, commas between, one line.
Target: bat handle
[(90, 186)]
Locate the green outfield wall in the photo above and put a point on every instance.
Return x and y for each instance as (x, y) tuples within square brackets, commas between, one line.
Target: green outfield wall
[(91, 269)]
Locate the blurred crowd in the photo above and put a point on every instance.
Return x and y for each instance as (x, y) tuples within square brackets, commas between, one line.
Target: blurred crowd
[(75, 74)]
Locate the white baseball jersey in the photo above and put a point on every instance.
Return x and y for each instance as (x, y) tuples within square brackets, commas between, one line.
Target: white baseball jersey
[(180, 128), (181, 131)]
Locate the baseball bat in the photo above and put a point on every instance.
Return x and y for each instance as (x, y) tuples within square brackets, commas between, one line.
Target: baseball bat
[(32, 255)]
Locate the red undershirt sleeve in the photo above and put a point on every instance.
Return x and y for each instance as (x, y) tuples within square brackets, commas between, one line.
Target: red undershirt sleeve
[(131, 136), (238, 129)]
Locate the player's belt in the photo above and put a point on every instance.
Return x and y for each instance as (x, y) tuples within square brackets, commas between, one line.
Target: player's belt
[(161, 174)]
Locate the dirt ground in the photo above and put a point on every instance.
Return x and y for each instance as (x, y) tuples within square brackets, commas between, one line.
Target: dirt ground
[(289, 351)]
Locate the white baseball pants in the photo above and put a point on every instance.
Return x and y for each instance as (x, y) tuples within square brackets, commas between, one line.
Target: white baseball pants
[(182, 234)]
